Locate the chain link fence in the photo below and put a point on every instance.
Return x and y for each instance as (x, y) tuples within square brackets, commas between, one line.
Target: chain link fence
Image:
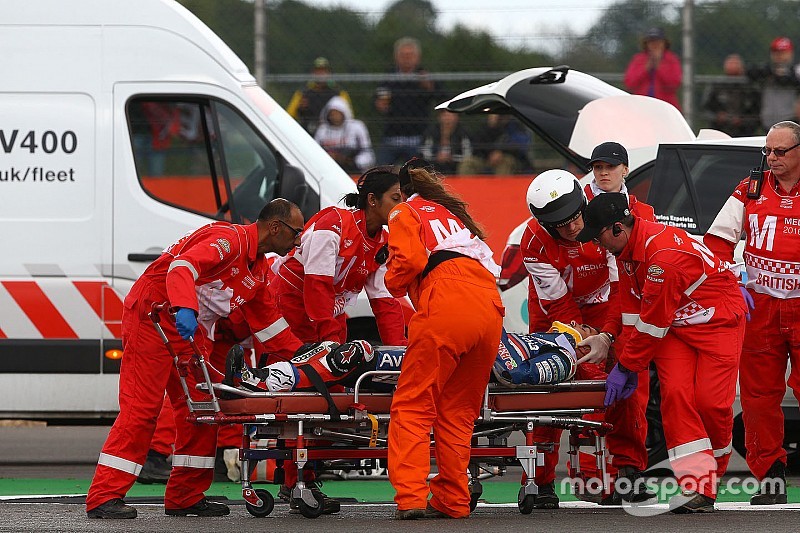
[(282, 41)]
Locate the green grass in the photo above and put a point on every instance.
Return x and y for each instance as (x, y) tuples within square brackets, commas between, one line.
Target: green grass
[(495, 491)]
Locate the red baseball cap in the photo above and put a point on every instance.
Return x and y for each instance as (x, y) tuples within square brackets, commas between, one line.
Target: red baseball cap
[(781, 44)]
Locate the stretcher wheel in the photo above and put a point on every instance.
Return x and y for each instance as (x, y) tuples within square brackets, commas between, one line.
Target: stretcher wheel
[(266, 507), (525, 502), (309, 511)]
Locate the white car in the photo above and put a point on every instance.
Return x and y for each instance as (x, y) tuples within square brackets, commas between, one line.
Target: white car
[(685, 177)]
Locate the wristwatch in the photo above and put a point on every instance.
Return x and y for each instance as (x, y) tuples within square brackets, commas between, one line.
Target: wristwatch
[(609, 335)]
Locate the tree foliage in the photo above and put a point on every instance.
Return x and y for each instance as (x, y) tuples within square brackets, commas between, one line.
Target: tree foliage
[(298, 32)]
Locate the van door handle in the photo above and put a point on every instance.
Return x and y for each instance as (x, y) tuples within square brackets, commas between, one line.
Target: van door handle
[(143, 258)]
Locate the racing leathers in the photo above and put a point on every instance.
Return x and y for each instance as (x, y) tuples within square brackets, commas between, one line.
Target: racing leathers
[(335, 261), (215, 270), (452, 344), (681, 309), (771, 224), (572, 281)]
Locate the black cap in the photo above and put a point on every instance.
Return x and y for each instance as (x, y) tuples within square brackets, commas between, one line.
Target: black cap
[(655, 34), (602, 211), (611, 153)]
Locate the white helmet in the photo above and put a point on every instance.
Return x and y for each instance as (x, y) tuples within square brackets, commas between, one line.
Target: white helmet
[(554, 197)]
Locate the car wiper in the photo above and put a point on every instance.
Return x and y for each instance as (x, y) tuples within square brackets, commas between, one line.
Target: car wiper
[(554, 75)]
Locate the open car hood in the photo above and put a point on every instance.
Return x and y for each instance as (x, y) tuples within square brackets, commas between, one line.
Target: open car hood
[(574, 112)]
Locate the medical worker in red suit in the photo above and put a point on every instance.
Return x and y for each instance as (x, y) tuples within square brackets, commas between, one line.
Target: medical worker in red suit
[(206, 275), (770, 221), (342, 253), (609, 166), (228, 331), (682, 309), (437, 257), (576, 282)]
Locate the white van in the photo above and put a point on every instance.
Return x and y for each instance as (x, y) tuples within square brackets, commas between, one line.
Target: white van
[(123, 126)]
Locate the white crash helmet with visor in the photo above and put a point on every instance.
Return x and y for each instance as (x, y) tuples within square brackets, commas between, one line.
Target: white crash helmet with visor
[(555, 198)]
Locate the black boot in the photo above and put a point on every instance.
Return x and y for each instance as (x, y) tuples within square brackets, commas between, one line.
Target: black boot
[(773, 487), (547, 497), (233, 365), (630, 487), (156, 469), (239, 374), (201, 508), (115, 508), (697, 503), (329, 505)]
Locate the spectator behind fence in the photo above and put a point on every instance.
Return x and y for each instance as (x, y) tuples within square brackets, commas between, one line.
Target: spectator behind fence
[(500, 147), (307, 103), (796, 113), (734, 106), (345, 138), (446, 143), (779, 81), (405, 104), (656, 70)]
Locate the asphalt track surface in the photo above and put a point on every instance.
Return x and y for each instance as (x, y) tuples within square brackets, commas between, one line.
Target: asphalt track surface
[(70, 453), (369, 518)]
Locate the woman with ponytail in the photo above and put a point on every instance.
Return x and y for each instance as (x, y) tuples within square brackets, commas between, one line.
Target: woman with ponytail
[(342, 252), (437, 257)]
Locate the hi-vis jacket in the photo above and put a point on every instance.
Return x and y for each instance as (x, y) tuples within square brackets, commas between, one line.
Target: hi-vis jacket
[(335, 261), (772, 225), (216, 270), (670, 282), (420, 228), (565, 275)]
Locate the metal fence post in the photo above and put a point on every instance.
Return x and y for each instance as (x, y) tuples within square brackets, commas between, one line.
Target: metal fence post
[(260, 41), (688, 61)]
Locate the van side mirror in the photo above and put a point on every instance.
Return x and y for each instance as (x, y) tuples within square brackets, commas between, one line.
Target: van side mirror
[(294, 188)]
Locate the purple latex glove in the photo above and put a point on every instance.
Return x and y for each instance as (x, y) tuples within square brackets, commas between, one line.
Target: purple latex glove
[(620, 384), (751, 305)]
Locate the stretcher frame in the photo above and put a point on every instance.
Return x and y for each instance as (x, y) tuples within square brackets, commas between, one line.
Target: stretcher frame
[(359, 429)]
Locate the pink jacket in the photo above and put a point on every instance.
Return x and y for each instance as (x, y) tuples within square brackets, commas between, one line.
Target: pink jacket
[(666, 81)]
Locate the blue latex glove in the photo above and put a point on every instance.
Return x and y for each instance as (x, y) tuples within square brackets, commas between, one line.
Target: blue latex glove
[(620, 385), (185, 322), (751, 305)]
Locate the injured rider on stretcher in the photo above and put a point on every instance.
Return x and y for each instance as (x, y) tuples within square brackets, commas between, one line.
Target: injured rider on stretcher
[(522, 359)]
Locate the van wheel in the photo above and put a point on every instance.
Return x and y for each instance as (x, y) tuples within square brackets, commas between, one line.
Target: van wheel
[(363, 329)]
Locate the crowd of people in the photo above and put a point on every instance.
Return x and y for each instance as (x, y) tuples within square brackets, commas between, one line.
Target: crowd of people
[(645, 294), (648, 293), (407, 125), (746, 103)]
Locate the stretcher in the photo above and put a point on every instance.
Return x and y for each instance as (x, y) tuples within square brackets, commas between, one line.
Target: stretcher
[(337, 428)]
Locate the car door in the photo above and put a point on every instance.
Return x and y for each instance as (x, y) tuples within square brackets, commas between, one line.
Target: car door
[(688, 184)]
